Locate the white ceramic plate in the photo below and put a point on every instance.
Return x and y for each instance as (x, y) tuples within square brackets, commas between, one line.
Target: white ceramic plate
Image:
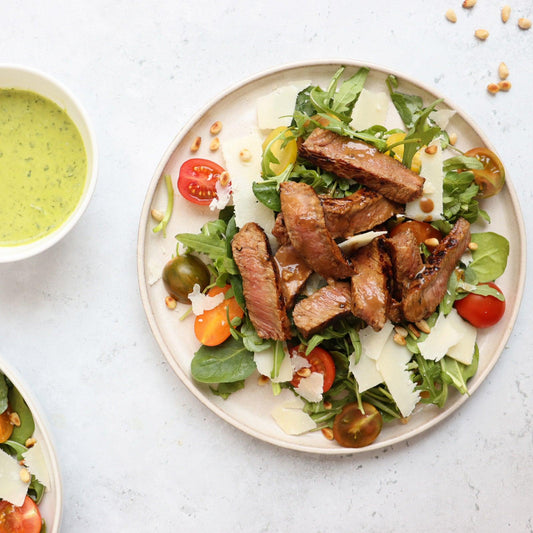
[(51, 506), (249, 409)]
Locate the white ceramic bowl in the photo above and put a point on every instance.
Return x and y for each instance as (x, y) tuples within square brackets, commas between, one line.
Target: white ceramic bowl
[(16, 77), (51, 506)]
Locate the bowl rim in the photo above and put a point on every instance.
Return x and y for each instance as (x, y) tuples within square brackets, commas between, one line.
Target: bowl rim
[(49, 449), (24, 251)]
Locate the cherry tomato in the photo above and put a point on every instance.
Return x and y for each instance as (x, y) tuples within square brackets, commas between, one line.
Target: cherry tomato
[(421, 230), (286, 155), (481, 311), (320, 361), (25, 519), (492, 177), (354, 429), (197, 180), (6, 427), (211, 327), (182, 273)]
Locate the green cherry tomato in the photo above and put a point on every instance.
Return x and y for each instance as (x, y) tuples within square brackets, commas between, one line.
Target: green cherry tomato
[(354, 429), (182, 273)]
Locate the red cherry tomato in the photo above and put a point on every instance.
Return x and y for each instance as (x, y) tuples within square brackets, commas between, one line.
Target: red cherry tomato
[(25, 519), (422, 230), (354, 429), (197, 180), (481, 311), (320, 361), (211, 327), (492, 176)]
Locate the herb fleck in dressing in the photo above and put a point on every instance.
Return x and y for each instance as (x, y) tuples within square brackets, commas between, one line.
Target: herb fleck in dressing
[(43, 166)]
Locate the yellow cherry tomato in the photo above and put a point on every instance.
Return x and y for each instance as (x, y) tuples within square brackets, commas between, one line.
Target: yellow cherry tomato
[(285, 154)]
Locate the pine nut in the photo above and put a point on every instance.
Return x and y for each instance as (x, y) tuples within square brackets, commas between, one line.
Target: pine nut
[(413, 330), (215, 144), (14, 418), (328, 433), (453, 138), (431, 149), (493, 88), (524, 24), (215, 128), (157, 215), (224, 178), (506, 12), (195, 146), (398, 339), (262, 380), (328, 405), (472, 246), (451, 16), (504, 85), (25, 476), (503, 71), (304, 372), (431, 242), (245, 155), (400, 330), (423, 326), (170, 303), (30, 442), (467, 4), (481, 34)]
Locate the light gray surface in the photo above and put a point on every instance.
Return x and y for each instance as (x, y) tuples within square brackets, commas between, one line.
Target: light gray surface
[(137, 451)]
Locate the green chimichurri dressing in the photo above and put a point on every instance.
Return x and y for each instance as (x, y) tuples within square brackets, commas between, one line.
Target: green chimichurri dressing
[(43, 166)]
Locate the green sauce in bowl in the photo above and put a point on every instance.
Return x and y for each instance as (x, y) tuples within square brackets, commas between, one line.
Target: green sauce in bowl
[(43, 167)]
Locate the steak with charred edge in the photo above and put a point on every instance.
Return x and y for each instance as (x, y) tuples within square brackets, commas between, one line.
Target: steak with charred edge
[(306, 226), (429, 286), (353, 159), (370, 292), (262, 293), (361, 211), (315, 312), (292, 271)]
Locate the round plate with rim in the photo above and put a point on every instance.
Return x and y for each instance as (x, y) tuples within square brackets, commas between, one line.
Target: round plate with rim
[(249, 409)]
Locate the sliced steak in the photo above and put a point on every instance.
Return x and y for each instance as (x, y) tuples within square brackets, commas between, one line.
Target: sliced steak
[(262, 293), (429, 286), (280, 231), (370, 292), (315, 312), (306, 226), (361, 211), (362, 162), (292, 271)]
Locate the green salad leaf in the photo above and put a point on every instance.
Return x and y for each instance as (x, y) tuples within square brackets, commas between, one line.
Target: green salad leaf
[(490, 257), (27, 425), (162, 226), (3, 393)]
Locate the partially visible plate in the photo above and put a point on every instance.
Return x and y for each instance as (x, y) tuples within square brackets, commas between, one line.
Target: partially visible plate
[(249, 409)]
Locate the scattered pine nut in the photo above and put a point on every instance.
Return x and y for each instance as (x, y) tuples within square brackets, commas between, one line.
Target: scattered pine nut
[(14, 418), (482, 35), (215, 128), (453, 138), (170, 303), (504, 85), (451, 16), (503, 71), (304, 372), (245, 155), (327, 405), (423, 326), (492, 88), (467, 4), (506, 12), (262, 380), (328, 433), (25, 476), (401, 331), (431, 150), (431, 242), (524, 24), (404, 420), (224, 178), (195, 146), (398, 339), (413, 330), (472, 246), (157, 215), (215, 144), (30, 442)]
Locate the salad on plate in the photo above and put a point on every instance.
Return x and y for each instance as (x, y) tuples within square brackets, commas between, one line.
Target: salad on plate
[(346, 261)]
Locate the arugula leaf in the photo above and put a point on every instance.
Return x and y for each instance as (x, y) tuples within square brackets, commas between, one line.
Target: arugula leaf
[(490, 257), (279, 355), (348, 93), (456, 373), (226, 363), (3, 393), (429, 376), (162, 226), (461, 162)]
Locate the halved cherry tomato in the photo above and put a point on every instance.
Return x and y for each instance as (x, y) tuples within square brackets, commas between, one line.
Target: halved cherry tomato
[(354, 429), (320, 361), (492, 177), (422, 230), (6, 427), (481, 311), (197, 180), (24, 519), (286, 155), (211, 327)]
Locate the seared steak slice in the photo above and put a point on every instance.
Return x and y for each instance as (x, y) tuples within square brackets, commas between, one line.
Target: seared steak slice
[(362, 162), (361, 211), (262, 293), (306, 226), (292, 271), (370, 293), (280, 231), (429, 286), (318, 310)]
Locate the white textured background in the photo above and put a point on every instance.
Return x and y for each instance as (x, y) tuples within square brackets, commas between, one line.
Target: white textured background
[(137, 451)]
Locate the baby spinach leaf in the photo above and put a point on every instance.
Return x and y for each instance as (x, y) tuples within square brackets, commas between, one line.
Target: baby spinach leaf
[(226, 363), (490, 257), (267, 193), (224, 390), (3, 393), (27, 425)]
